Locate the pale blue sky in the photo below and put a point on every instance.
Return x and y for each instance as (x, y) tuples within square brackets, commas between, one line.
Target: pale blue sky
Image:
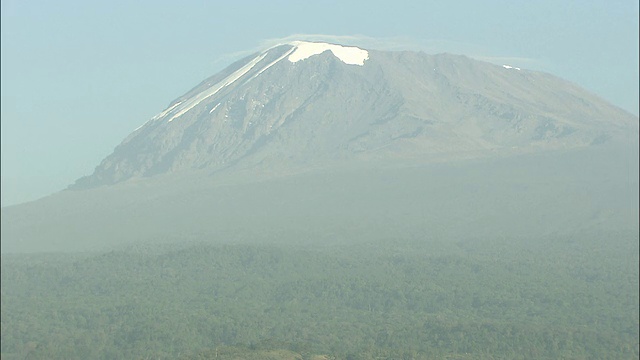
[(77, 76)]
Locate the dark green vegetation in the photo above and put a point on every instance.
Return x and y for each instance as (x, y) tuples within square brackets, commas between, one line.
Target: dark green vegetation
[(527, 257), (572, 297)]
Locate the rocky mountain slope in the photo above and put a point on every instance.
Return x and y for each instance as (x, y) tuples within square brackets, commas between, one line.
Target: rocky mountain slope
[(307, 105)]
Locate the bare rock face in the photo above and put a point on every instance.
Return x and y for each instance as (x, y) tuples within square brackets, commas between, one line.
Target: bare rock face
[(303, 105)]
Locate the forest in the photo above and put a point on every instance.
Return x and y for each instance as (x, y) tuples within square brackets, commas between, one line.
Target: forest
[(570, 297)]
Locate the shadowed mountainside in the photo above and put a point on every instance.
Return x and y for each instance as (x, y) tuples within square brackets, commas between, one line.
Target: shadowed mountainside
[(530, 195)]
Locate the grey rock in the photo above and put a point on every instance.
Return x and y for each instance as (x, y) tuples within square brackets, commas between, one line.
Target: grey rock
[(288, 117)]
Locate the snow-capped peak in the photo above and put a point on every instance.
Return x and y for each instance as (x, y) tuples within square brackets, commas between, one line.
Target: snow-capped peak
[(300, 50), (347, 54)]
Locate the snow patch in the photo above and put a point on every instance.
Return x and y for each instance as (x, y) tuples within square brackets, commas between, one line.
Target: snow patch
[(166, 111), (215, 107), (140, 127), (347, 54), (510, 67), (195, 100), (273, 63), (158, 116)]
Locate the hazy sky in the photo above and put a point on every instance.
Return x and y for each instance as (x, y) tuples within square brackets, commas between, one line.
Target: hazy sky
[(79, 76)]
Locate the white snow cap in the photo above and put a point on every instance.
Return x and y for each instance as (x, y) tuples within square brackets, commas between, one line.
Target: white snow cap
[(300, 50), (347, 54)]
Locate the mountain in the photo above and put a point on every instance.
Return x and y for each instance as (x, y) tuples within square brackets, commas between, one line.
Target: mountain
[(308, 105), (316, 142)]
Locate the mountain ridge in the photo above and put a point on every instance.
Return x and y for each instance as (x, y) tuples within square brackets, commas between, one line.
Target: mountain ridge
[(266, 109), (319, 150)]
